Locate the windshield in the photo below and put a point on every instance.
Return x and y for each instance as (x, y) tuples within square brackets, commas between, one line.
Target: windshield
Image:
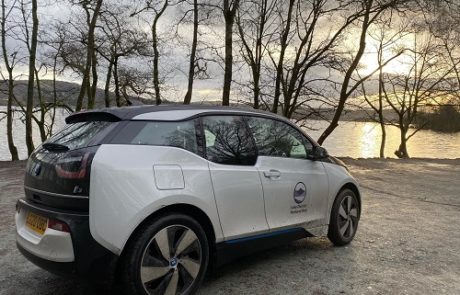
[(78, 135)]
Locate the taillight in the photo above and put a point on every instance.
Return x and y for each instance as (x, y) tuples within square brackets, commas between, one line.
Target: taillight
[(74, 165), (58, 225)]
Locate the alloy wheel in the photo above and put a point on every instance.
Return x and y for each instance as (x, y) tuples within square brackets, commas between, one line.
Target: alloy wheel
[(348, 217), (171, 261)]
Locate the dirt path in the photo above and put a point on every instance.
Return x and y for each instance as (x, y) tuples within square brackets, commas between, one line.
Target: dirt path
[(408, 242)]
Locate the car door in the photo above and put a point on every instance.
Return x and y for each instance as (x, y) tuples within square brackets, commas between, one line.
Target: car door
[(232, 155), (295, 188)]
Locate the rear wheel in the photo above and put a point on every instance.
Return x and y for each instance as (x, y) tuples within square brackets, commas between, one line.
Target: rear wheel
[(344, 218), (168, 256)]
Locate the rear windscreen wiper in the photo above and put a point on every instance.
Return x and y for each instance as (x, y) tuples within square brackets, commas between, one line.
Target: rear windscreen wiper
[(55, 147)]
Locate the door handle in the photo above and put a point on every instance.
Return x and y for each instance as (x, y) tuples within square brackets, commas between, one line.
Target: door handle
[(272, 174)]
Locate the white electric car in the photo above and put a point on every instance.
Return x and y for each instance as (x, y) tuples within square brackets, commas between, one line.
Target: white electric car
[(154, 196)]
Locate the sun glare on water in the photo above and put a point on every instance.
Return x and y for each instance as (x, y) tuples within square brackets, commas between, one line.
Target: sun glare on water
[(369, 139)]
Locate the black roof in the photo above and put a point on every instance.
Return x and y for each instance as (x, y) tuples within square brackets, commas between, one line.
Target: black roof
[(126, 113), (115, 114)]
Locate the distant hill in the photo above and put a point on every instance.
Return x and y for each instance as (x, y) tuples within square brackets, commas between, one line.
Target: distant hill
[(67, 92)]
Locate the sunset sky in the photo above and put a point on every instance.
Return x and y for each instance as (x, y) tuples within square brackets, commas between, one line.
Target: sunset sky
[(174, 59)]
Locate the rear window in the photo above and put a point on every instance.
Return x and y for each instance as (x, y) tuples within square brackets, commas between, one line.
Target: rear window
[(78, 135), (176, 134)]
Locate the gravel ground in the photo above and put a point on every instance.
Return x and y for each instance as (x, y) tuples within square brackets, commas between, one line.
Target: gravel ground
[(408, 242)]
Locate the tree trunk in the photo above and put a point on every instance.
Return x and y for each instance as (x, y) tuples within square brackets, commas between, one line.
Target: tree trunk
[(156, 80), (9, 119), (83, 90), (156, 53), (228, 61), (229, 16), (85, 79), (402, 152), (107, 84), (42, 129), (9, 112), (31, 79), (380, 110), (92, 96), (384, 138), (256, 89), (53, 117), (117, 82), (191, 69), (41, 122)]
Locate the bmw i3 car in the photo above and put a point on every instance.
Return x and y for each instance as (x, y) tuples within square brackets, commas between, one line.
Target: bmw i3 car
[(155, 195)]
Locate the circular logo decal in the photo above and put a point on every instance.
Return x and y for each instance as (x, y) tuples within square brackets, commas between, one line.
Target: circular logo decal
[(300, 192)]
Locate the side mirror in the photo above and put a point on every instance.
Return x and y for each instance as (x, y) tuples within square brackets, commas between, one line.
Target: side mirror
[(318, 153)]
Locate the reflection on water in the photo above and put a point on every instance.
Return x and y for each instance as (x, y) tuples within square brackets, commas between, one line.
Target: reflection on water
[(19, 134), (350, 139), (362, 140), (369, 139)]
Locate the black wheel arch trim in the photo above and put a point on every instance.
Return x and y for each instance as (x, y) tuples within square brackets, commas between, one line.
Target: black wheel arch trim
[(186, 209)]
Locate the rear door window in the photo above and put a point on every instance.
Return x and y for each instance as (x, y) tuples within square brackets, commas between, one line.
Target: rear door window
[(175, 134), (228, 141)]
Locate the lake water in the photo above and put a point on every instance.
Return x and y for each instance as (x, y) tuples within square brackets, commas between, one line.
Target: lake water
[(350, 139)]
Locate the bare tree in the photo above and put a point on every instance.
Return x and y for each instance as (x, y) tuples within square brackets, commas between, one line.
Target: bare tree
[(423, 82), (118, 40), (370, 12), (36, 114), (443, 24), (286, 23), (313, 49), (195, 14), (89, 82), (388, 40), (158, 7), (252, 20), (53, 39), (9, 65), (134, 83), (61, 55)]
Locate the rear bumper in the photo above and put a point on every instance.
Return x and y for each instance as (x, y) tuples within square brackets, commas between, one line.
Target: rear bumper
[(74, 254), (59, 268), (53, 245)]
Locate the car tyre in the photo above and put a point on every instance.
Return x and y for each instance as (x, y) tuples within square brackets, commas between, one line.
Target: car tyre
[(344, 218), (169, 255)]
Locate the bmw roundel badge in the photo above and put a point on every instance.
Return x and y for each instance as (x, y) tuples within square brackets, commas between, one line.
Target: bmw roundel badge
[(37, 169), (300, 191)]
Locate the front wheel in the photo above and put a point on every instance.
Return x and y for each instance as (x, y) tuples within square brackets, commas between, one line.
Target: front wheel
[(344, 218), (168, 256)]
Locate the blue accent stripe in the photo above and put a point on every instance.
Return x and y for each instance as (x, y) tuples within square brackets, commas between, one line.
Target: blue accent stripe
[(266, 235)]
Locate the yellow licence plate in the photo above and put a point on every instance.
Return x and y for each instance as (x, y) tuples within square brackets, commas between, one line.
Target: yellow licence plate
[(36, 223)]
